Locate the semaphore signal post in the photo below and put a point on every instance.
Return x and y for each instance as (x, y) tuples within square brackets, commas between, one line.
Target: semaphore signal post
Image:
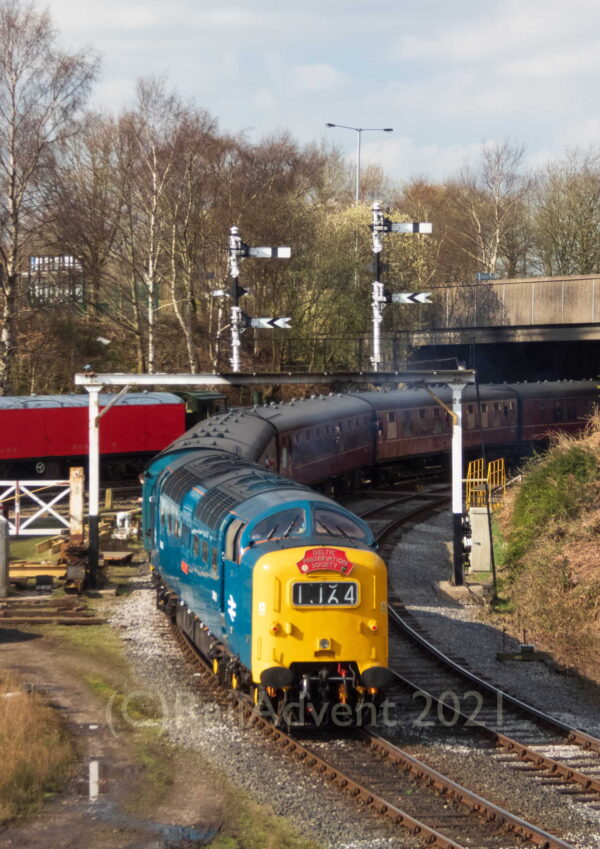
[(239, 321), (381, 296)]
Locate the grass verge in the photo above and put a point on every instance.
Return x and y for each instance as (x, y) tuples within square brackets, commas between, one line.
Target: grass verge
[(37, 755), (252, 826)]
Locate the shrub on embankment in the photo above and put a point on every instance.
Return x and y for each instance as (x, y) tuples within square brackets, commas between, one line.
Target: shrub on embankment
[(551, 530), (36, 754)]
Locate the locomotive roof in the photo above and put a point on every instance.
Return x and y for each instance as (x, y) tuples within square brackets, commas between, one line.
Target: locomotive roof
[(229, 483), (29, 402)]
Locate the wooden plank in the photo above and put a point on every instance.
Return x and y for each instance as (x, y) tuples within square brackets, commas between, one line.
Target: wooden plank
[(117, 556), (47, 544)]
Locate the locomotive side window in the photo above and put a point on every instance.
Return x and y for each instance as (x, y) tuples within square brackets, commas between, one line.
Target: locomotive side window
[(195, 546), (214, 559), (287, 523), (232, 539), (204, 551), (334, 524)]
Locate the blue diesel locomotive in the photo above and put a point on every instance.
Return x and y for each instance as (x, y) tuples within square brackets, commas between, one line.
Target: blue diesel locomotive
[(276, 584)]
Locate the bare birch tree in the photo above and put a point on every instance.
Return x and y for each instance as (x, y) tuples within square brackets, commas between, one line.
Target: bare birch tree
[(487, 199), (41, 92)]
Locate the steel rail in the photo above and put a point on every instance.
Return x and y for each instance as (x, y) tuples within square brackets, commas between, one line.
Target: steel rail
[(585, 741), (572, 735), (475, 804)]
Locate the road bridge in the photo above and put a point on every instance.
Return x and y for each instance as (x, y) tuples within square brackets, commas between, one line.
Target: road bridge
[(535, 327)]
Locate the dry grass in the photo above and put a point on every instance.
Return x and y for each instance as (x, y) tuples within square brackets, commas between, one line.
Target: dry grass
[(37, 756), (551, 525)]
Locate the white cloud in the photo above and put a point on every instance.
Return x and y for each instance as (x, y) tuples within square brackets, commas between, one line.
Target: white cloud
[(584, 61), (317, 78), (406, 159), (445, 75)]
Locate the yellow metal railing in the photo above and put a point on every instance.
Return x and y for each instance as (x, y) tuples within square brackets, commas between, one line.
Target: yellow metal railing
[(479, 483)]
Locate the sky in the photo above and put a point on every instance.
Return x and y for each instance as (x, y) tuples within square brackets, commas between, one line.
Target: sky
[(447, 76)]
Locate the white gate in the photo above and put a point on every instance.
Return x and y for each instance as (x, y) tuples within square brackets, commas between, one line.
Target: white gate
[(28, 503)]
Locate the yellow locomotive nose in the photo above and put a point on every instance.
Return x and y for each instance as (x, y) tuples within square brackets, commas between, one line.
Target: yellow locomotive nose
[(305, 616)]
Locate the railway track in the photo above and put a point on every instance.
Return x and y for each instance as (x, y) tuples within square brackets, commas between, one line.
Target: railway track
[(432, 689), (381, 778)]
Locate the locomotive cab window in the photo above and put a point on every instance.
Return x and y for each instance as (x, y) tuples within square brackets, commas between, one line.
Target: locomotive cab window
[(287, 523), (232, 540), (336, 525)]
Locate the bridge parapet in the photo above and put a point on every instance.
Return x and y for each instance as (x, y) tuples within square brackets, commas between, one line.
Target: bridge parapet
[(517, 302)]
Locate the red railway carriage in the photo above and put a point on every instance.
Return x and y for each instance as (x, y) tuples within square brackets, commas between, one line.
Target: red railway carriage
[(45, 434)]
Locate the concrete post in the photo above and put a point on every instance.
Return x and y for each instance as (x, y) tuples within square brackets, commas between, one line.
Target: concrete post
[(457, 493), (4, 556), (94, 483)]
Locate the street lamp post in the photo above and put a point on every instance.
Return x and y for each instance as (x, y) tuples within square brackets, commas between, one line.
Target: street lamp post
[(359, 131)]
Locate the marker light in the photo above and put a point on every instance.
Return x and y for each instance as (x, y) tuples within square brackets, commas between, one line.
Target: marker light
[(274, 628), (373, 626)]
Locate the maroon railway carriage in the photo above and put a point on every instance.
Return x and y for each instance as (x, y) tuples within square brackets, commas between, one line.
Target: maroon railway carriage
[(337, 437), (42, 435)]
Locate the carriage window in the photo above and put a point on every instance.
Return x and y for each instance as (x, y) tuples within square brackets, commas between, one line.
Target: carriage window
[(214, 559), (204, 551), (287, 523), (484, 408), (196, 546), (336, 525), (436, 413), (421, 414)]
